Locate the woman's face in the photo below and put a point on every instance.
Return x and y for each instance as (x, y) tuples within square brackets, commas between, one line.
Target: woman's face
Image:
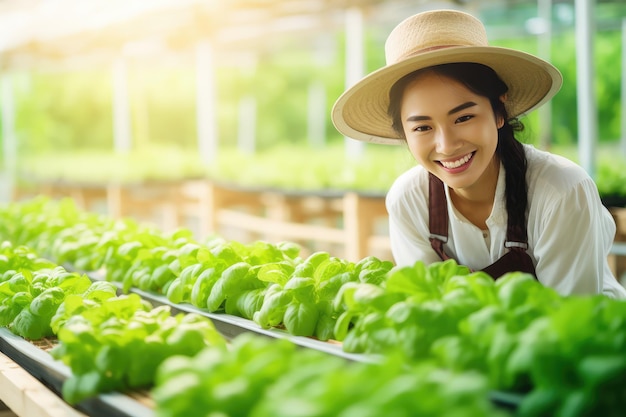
[(451, 131)]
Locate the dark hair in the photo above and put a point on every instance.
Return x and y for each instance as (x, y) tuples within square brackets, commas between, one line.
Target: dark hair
[(481, 80)]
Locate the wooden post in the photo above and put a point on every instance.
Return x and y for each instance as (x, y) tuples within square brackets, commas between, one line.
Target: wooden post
[(357, 225), (115, 197)]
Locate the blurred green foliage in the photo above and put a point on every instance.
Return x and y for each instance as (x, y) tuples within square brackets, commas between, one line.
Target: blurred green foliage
[(63, 110), (607, 50), (292, 168), (65, 129), (301, 167), (73, 110)]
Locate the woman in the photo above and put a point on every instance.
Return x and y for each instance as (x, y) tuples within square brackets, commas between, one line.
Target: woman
[(477, 195)]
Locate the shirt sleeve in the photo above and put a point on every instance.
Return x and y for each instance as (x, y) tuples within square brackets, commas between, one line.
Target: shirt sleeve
[(574, 241), (407, 206)]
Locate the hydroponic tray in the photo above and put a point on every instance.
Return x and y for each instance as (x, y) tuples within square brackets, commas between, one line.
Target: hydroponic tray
[(52, 373), (230, 326)]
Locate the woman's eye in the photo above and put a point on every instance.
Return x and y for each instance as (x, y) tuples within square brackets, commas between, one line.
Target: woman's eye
[(421, 128), (464, 118)]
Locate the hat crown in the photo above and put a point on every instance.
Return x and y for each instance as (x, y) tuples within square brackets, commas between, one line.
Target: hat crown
[(433, 30)]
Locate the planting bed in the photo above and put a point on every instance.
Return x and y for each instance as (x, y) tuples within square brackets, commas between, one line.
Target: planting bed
[(172, 326)]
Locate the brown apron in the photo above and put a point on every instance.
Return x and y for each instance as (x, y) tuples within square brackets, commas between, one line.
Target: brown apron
[(516, 259)]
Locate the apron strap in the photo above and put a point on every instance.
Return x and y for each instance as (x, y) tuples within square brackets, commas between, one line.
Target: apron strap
[(437, 216), (516, 235)]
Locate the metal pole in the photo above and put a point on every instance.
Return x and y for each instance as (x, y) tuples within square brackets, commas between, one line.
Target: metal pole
[(121, 108), (355, 64), (9, 140), (545, 46), (623, 98), (206, 103), (316, 115), (246, 132), (587, 118), (324, 54)]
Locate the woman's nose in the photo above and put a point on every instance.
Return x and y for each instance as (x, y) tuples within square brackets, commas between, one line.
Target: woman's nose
[(447, 142)]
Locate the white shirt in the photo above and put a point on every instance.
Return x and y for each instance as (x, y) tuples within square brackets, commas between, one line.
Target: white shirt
[(569, 231)]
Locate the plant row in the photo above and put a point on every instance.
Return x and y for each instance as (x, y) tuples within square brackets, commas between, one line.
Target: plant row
[(268, 283), (120, 342), (565, 354)]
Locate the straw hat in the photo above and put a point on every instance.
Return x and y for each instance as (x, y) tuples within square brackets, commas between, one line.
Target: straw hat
[(432, 38)]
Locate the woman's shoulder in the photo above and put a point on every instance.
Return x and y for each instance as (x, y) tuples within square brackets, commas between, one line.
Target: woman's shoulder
[(410, 185), (553, 171)]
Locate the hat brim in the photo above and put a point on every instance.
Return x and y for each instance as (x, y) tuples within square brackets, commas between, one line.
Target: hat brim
[(361, 111)]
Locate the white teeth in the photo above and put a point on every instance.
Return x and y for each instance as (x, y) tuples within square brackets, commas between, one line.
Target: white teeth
[(457, 163)]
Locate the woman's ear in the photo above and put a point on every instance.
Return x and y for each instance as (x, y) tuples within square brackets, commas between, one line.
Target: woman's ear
[(499, 118), (499, 121)]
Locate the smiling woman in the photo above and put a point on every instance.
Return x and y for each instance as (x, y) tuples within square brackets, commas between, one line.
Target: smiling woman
[(478, 195)]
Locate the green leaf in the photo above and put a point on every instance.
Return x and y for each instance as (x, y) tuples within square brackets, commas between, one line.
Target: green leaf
[(302, 288), (278, 272), (274, 306), (410, 280), (186, 339), (514, 288), (579, 403), (21, 299), (373, 276), (226, 253), (29, 326), (99, 291), (160, 276), (176, 291), (301, 318), (73, 283), (440, 272), (202, 287), (290, 249), (309, 265), (342, 325), (8, 312), (246, 303), (328, 269), (235, 279), (188, 254), (325, 328), (190, 273), (20, 282), (329, 289), (540, 402), (602, 372), (46, 303), (129, 249)]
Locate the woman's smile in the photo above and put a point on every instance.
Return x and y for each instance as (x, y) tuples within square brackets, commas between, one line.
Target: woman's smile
[(457, 165)]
